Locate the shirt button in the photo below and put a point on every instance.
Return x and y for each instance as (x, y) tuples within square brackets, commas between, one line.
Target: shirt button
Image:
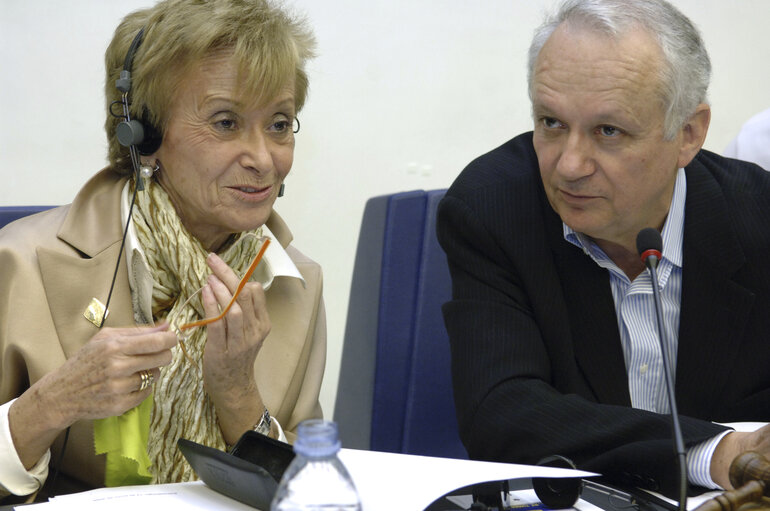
[(643, 369)]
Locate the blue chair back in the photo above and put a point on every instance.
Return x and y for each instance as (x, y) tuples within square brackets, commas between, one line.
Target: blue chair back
[(10, 213), (394, 392)]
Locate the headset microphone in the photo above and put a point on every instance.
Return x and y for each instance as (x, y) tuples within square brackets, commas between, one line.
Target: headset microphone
[(140, 138)]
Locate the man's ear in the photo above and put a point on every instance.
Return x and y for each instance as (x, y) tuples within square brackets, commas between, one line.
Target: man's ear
[(694, 134)]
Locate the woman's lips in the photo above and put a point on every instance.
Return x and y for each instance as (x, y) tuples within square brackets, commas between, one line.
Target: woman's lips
[(251, 193)]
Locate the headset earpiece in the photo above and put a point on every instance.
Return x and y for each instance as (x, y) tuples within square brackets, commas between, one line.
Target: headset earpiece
[(142, 134), (133, 133), (130, 133), (152, 137)]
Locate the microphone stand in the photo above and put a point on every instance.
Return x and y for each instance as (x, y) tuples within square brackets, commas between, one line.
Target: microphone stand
[(652, 263)]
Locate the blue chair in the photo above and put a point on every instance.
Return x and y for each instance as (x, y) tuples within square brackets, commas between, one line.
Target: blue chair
[(394, 392), (10, 213)]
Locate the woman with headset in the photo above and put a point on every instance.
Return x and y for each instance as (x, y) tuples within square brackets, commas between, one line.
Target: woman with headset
[(128, 319)]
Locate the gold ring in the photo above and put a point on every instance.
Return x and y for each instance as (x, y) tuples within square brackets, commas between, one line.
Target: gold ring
[(148, 377)]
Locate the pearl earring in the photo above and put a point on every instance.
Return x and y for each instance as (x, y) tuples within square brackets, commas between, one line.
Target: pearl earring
[(146, 171)]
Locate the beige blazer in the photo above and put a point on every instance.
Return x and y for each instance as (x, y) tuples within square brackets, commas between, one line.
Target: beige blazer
[(53, 263)]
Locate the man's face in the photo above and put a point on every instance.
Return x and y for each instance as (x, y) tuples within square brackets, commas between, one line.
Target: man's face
[(606, 169)]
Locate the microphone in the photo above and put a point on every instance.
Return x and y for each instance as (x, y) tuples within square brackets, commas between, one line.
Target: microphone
[(649, 245)]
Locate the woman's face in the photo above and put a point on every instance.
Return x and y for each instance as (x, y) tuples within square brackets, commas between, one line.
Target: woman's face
[(223, 158)]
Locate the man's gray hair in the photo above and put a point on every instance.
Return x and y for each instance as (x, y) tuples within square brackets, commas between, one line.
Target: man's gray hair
[(686, 69)]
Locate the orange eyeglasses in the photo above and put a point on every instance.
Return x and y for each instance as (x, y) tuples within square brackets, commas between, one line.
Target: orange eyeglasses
[(203, 322)]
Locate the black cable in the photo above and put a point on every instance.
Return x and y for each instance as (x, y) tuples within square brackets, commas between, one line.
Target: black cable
[(122, 245)]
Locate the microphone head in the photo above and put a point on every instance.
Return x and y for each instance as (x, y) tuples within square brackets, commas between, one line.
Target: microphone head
[(648, 239)]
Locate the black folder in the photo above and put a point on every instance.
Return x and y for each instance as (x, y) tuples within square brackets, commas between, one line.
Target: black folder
[(249, 473)]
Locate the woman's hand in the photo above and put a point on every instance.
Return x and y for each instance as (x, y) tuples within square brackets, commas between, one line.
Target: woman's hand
[(101, 380), (232, 347)]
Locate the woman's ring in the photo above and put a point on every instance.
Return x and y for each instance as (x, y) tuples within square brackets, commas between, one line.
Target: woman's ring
[(148, 377)]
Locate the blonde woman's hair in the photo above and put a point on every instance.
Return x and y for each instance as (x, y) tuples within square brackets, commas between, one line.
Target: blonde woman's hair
[(269, 45)]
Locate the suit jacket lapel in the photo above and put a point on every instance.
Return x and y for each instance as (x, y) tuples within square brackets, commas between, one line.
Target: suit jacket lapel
[(714, 309), (71, 282), (595, 334), (93, 229)]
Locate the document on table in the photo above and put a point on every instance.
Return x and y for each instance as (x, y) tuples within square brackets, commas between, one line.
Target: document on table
[(159, 497), (385, 481), (196, 495)]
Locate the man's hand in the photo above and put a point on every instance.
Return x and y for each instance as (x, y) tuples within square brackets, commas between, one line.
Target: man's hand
[(731, 446)]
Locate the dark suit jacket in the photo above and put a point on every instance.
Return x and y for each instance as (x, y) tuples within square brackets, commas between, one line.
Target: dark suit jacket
[(537, 362)]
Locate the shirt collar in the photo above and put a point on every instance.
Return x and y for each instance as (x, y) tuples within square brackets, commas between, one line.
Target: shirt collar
[(278, 262), (673, 228)]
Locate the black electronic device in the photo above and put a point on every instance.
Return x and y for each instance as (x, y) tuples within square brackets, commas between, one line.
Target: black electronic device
[(561, 493), (556, 492), (249, 473)]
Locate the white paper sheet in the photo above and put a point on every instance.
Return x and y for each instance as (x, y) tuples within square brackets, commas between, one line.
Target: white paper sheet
[(160, 497), (385, 482)]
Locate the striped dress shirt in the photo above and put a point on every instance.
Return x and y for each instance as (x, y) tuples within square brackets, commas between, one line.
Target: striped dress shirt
[(637, 323)]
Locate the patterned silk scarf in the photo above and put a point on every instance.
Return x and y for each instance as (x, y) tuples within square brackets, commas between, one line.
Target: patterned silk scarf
[(177, 262)]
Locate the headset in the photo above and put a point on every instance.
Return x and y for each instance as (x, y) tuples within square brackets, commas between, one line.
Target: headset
[(140, 136)]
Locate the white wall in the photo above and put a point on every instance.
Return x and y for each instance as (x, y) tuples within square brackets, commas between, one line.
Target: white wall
[(403, 95)]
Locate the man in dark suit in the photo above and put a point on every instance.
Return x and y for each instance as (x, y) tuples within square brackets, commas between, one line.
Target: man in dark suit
[(552, 326)]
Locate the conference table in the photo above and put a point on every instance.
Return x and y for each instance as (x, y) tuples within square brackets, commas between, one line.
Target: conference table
[(385, 481)]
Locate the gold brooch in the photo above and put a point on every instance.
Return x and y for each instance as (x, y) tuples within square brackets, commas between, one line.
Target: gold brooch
[(95, 312)]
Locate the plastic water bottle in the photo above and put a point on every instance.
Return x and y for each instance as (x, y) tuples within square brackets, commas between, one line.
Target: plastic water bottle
[(316, 480)]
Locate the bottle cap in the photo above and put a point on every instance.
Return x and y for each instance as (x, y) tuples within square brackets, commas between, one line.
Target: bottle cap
[(317, 438)]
